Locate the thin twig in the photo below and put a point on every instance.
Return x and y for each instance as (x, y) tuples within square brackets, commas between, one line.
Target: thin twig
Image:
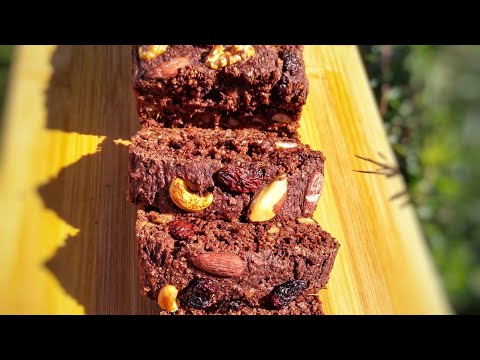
[(371, 172), (387, 171), (384, 169), (381, 155), (373, 161), (398, 195)]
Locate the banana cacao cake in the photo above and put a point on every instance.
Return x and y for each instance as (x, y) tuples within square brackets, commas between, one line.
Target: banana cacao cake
[(193, 266), (226, 86), (225, 188), (231, 175)]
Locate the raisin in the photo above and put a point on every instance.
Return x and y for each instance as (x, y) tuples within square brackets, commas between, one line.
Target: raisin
[(291, 64), (180, 229), (285, 293), (199, 294), (227, 306), (238, 179)]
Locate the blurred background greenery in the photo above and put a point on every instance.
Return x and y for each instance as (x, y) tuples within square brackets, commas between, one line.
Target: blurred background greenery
[(5, 56), (429, 98)]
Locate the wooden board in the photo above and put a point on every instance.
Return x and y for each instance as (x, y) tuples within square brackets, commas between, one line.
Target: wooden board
[(68, 234)]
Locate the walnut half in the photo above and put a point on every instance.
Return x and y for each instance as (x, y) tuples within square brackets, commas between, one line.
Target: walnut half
[(150, 52), (221, 56)]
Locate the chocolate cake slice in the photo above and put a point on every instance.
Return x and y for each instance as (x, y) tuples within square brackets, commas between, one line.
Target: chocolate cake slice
[(226, 86), (231, 175), (190, 265)]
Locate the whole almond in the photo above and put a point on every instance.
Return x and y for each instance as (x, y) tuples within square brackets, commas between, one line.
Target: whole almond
[(312, 194), (220, 264), (168, 69)]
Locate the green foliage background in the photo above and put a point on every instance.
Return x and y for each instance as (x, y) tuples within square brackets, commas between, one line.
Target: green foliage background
[(5, 55), (429, 98)]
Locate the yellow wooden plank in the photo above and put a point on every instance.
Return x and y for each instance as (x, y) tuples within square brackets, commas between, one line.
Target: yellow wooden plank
[(68, 242), (383, 265)]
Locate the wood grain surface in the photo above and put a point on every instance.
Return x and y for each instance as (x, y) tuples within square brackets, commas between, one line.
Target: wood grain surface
[(67, 233)]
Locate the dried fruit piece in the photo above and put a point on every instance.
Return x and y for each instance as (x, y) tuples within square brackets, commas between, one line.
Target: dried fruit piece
[(221, 56), (284, 294), (268, 202), (312, 194), (167, 298), (220, 264), (199, 294), (186, 200), (180, 229), (291, 63), (238, 179), (150, 52), (168, 69)]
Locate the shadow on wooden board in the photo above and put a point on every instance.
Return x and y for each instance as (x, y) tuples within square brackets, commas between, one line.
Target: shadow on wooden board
[(90, 93)]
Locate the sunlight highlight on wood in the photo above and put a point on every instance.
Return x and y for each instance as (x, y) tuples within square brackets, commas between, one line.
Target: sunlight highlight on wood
[(68, 233)]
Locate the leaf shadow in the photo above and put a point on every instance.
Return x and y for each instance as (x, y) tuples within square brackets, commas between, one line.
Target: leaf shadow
[(90, 93)]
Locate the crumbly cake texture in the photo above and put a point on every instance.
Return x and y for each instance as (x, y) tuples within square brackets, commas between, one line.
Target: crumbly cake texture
[(178, 88), (303, 305), (228, 267), (232, 165), (226, 189)]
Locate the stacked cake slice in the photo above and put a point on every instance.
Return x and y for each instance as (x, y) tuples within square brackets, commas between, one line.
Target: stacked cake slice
[(225, 188)]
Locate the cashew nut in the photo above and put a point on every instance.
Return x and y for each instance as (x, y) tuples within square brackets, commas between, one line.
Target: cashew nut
[(186, 200)]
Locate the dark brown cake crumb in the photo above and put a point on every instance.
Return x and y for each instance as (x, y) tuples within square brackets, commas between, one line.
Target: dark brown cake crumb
[(226, 189), (232, 165), (178, 89), (247, 265)]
